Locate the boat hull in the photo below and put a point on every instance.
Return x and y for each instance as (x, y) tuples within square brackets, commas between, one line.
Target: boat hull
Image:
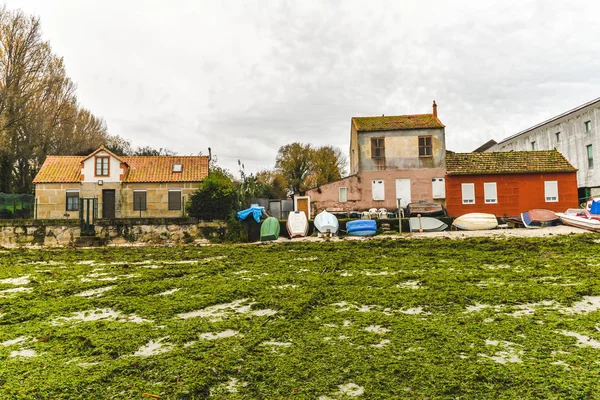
[(425, 209), (297, 224), (539, 218), (363, 227), (426, 224), (476, 222), (269, 229), (579, 222), (326, 223)]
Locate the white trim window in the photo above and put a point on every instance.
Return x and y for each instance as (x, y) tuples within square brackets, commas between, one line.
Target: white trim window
[(343, 194), (551, 191), (378, 189), (490, 192), (72, 200), (468, 193)]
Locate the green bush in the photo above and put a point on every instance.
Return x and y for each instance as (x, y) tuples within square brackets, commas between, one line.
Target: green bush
[(214, 199)]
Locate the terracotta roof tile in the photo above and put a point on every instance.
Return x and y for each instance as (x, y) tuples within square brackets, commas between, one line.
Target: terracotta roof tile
[(60, 169), (65, 169), (512, 162), (399, 122), (160, 168)]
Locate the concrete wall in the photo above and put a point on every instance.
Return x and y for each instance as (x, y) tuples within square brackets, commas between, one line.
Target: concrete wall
[(401, 150), (516, 193), (51, 198), (572, 144), (34, 233), (359, 190)]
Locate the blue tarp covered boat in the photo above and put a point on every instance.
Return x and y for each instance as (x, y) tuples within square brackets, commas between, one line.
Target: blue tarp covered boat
[(255, 211), (362, 227)]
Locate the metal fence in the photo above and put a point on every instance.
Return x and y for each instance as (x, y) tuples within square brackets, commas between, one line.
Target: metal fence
[(19, 206)]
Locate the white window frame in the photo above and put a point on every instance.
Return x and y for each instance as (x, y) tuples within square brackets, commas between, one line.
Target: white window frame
[(379, 181), (465, 199), (551, 191), (180, 200), (490, 192), (587, 126), (343, 199)]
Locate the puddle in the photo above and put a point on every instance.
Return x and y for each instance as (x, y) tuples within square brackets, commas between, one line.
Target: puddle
[(23, 353), (168, 292), (412, 311), (409, 285), (306, 259), (276, 344), (220, 311), (99, 314), (561, 363), (377, 329), (508, 355), (244, 271), (153, 348), (286, 286), (18, 340), (381, 273), (15, 290), (94, 292), (381, 344), (582, 340), (22, 280), (218, 335), (585, 306)]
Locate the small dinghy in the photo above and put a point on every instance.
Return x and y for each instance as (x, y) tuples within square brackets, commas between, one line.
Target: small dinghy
[(326, 222), (579, 219), (539, 218), (297, 224), (425, 209), (426, 224), (362, 227), (269, 230), (476, 222)]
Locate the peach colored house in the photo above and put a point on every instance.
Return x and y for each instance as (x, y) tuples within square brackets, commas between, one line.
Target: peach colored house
[(124, 187), (391, 157)]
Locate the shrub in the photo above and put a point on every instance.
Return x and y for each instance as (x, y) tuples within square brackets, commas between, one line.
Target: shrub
[(214, 199)]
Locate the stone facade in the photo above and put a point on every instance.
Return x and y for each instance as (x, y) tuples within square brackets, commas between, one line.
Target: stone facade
[(35, 233)]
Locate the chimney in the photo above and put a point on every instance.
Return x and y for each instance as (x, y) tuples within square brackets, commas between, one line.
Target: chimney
[(434, 109)]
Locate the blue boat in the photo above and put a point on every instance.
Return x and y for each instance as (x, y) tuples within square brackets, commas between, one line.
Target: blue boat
[(362, 227)]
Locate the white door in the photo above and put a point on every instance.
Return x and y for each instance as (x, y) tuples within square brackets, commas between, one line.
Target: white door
[(403, 191), (378, 190), (438, 187)]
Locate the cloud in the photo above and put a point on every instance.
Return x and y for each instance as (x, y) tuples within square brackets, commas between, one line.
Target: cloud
[(246, 77)]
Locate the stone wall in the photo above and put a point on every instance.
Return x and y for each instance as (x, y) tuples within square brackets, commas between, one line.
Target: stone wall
[(57, 233)]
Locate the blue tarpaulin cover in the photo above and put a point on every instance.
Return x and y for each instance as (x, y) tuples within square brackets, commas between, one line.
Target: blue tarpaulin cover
[(595, 209), (256, 212)]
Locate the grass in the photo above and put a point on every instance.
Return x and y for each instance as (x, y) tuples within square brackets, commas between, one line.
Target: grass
[(372, 319)]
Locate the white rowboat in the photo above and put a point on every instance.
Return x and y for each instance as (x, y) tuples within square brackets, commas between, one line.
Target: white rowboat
[(297, 224), (476, 222)]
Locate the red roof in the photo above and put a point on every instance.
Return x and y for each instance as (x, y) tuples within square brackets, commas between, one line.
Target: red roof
[(67, 169)]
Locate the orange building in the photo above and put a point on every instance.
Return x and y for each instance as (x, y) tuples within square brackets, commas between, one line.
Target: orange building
[(509, 183)]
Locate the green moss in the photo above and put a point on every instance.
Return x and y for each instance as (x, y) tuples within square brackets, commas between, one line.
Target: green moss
[(329, 298)]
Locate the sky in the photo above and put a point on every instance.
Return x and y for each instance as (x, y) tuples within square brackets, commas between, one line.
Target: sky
[(246, 77)]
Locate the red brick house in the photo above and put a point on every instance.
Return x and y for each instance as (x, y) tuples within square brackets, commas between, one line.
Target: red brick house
[(509, 183)]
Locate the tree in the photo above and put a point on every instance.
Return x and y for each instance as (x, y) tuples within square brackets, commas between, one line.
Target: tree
[(275, 185), (149, 151), (327, 165), (215, 198), (39, 113), (294, 162)]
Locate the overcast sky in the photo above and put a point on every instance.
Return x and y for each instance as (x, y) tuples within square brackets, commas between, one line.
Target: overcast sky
[(245, 77)]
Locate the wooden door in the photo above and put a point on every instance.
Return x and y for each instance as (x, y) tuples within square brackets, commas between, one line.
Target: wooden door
[(108, 203), (302, 205)]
